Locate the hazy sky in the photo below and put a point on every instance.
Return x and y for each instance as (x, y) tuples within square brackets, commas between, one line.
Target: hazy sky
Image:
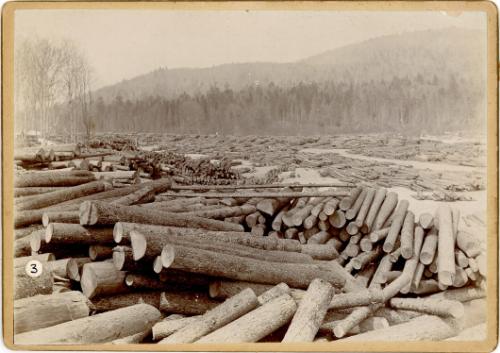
[(121, 44)]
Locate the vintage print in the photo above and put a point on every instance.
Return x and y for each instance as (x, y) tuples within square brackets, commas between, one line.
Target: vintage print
[(250, 175)]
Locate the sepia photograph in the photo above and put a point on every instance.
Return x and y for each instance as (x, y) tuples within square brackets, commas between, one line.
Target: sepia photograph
[(238, 173)]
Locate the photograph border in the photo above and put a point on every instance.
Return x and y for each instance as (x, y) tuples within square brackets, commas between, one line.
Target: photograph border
[(491, 11)]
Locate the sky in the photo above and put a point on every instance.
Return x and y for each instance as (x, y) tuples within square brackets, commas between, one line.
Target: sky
[(121, 44)]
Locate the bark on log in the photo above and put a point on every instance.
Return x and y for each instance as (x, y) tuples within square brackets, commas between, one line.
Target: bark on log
[(396, 225), (102, 278), (310, 312), (255, 325), (352, 212), (329, 207), (378, 199), (221, 212), (100, 328), (437, 307), (34, 190), (186, 302), (337, 219), (41, 311), (66, 233), (26, 286), (464, 294), (363, 211), (272, 206), (289, 194), (412, 263), (60, 217), (52, 179), (407, 235), (359, 298), (246, 269), (390, 202), (56, 197), (468, 243), (219, 316), (429, 247), (100, 213), (100, 252), (446, 247), (168, 326), (114, 302), (145, 194), (349, 200)]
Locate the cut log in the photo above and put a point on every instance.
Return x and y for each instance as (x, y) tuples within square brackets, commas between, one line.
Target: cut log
[(100, 213), (26, 286), (51, 179), (66, 233), (168, 326), (429, 247), (310, 312), (386, 209), (246, 269), (186, 302), (379, 234), (219, 316), (102, 278), (407, 235), (352, 212), (257, 324), (135, 338), (114, 302), (222, 212), (446, 247), (468, 243), (56, 197), (100, 252), (412, 263), (378, 199), (464, 294), (363, 211), (426, 220), (75, 267), (100, 328), (337, 219), (384, 266), (397, 223), (349, 200), (41, 311), (29, 191), (145, 194), (319, 238), (288, 194), (447, 308), (60, 217)]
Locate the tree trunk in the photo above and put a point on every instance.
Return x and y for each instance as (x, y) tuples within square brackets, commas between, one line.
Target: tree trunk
[(363, 211), (26, 286), (352, 212), (310, 312), (102, 278), (100, 213), (219, 316), (446, 247), (378, 199), (429, 247), (390, 202), (72, 217), (407, 235), (100, 328), (186, 302), (52, 179), (397, 223), (48, 310), (257, 324)]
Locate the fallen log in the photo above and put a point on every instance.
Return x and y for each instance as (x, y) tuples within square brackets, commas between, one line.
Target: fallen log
[(52, 179), (66, 233), (352, 212), (100, 213), (255, 325), (429, 247), (41, 311), (349, 200), (363, 211), (100, 252), (447, 308), (407, 235), (168, 326), (289, 194), (102, 278), (118, 301), (310, 312), (387, 207), (99, 328), (378, 199), (186, 302), (219, 316), (259, 186), (60, 217), (27, 286), (446, 247), (397, 223)]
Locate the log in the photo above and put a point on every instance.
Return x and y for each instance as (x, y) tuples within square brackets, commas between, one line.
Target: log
[(447, 308), (135, 338), (387, 207), (378, 199), (384, 266), (100, 213), (223, 314), (396, 225), (379, 234), (468, 243), (426, 220), (407, 235), (352, 320), (257, 324), (60, 217), (329, 207), (66, 233), (186, 302), (363, 211), (99, 328), (446, 247), (412, 263), (26, 218), (272, 206), (278, 220), (364, 258), (34, 190), (349, 200), (114, 302), (143, 195), (26, 286), (247, 269), (56, 197), (150, 246), (463, 294), (168, 326), (52, 179), (123, 259), (358, 298), (319, 238), (221, 212), (352, 212), (337, 219), (222, 289), (429, 247), (259, 186), (100, 252), (102, 278), (319, 251), (41, 311), (288, 194), (75, 266), (310, 312)]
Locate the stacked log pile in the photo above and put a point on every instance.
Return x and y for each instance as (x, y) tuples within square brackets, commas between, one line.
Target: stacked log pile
[(167, 263)]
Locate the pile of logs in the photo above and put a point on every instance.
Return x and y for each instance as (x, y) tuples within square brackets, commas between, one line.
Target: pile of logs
[(167, 263)]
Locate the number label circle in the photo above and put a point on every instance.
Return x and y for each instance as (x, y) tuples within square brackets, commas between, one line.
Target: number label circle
[(34, 268)]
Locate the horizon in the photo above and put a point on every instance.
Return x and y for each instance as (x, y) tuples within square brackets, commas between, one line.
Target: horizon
[(229, 42)]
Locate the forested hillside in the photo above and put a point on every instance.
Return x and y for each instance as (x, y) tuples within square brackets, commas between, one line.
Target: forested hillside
[(428, 81)]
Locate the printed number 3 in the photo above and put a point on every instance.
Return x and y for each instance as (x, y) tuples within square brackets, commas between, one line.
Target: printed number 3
[(34, 268)]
